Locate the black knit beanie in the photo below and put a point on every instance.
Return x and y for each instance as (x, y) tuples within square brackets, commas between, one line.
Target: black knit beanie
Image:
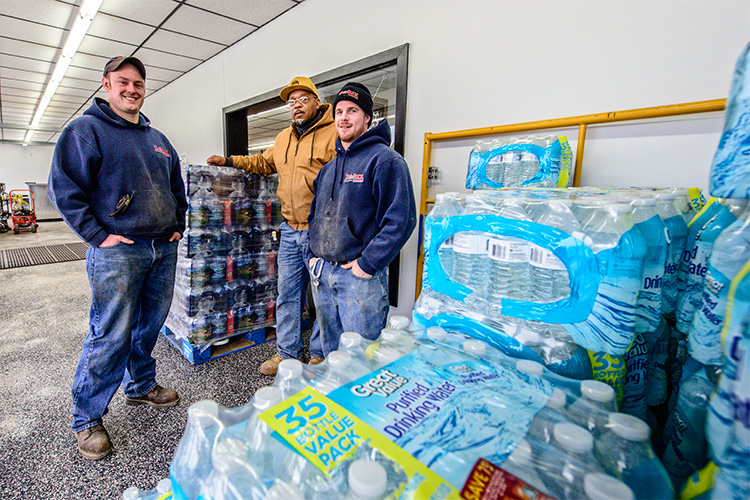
[(356, 93)]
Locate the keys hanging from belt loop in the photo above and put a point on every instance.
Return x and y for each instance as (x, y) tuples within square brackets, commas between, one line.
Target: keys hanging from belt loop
[(315, 272)]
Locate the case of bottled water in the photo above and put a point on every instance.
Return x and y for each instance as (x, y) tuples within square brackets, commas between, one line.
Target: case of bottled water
[(730, 169), (225, 282), (412, 415), (542, 162)]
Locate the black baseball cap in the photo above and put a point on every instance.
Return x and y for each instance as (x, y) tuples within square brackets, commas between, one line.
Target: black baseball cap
[(118, 61)]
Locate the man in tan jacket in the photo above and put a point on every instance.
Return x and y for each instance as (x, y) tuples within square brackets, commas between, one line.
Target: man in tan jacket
[(297, 155)]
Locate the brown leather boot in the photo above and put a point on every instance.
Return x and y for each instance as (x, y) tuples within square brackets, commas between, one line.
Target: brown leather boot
[(315, 361), (158, 398), (271, 366), (94, 443)]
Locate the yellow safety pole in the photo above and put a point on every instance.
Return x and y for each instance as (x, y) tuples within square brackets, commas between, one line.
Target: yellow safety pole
[(579, 155), (581, 122)]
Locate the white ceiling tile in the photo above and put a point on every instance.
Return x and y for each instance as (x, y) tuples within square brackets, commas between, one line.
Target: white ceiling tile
[(257, 12), (74, 93), (153, 58), (145, 11), (9, 61), (90, 61), (84, 74), (177, 43), (123, 30), (171, 37), (20, 93), (29, 31), (13, 135), (110, 48), (49, 12), (202, 24), (27, 49), (18, 84), (76, 83)]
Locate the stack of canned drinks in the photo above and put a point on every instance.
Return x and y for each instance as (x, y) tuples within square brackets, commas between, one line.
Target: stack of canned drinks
[(226, 268)]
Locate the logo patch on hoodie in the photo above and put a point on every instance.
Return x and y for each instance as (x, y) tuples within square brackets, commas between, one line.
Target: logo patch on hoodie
[(354, 178), (161, 150)]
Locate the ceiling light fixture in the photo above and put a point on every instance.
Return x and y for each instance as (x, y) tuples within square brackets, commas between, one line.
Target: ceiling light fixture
[(83, 19)]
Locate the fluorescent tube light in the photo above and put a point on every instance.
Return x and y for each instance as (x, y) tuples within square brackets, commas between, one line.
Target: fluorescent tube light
[(85, 15)]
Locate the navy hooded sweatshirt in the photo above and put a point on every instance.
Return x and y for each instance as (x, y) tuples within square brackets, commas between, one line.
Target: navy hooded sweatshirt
[(101, 157), (364, 204)]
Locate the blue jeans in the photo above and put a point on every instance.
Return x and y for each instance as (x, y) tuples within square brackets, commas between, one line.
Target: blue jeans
[(346, 303), (292, 293), (131, 291)]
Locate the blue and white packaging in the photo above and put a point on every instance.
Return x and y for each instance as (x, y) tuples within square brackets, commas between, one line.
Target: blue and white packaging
[(702, 233), (728, 421), (729, 253), (531, 161), (730, 169)]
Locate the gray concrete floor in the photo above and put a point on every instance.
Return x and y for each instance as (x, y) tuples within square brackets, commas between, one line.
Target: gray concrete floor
[(48, 233), (43, 322)]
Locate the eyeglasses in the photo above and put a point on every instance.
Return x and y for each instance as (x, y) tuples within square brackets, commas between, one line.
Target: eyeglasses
[(302, 100)]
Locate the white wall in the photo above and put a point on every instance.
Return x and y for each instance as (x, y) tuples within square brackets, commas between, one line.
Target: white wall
[(19, 165), (477, 63)]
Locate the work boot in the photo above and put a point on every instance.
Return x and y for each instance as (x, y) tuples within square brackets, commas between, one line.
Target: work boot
[(158, 398), (270, 366), (94, 443), (315, 360)]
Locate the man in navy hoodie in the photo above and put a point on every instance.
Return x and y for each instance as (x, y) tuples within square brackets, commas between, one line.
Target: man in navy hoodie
[(362, 215), (116, 182)]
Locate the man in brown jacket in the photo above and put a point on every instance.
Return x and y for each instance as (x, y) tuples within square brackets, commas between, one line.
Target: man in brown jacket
[(297, 155)]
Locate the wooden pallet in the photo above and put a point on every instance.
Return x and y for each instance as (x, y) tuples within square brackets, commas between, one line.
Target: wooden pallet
[(200, 354)]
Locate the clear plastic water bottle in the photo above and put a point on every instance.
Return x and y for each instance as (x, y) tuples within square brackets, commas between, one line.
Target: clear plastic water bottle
[(398, 322), (496, 169), (521, 464), (162, 488), (548, 273), (191, 464), (656, 375), (512, 168), (290, 377), (684, 437), (265, 452), (624, 450), (694, 266), (544, 421), (446, 205), (649, 305), (665, 205), (620, 251), (636, 370), (730, 252), (599, 486), (470, 251), (509, 273), (529, 166), (282, 490), (232, 477), (564, 479), (340, 371), (367, 480), (592, 409)]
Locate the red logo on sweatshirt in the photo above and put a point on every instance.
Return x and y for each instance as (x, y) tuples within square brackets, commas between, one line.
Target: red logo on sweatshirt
[(161, 150), (354, 178)]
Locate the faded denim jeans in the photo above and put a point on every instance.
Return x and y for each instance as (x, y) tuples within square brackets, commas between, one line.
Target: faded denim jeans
[(346, 303), (292, 294), (131, 291)]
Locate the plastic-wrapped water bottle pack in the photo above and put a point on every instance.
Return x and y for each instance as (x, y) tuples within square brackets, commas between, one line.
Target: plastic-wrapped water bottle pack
[(520, 161), (412, 415), (226, 270)]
